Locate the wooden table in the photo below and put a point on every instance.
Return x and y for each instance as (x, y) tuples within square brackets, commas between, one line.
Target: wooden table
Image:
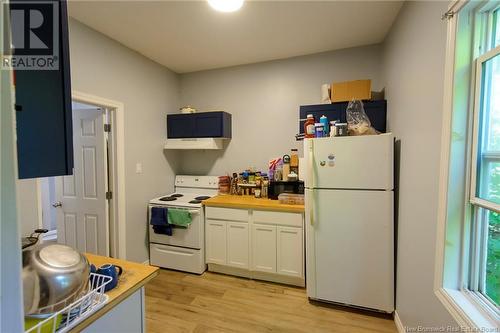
[(132, 280), (250, 202)]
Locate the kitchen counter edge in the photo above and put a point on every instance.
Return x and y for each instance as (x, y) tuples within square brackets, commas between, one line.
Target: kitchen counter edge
[(249, 202), (141, 275)]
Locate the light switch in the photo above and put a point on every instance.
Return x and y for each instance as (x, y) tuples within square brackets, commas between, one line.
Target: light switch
[(138, 168)]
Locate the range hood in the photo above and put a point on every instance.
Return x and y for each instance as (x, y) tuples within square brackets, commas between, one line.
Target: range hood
[(195, 143), (203, 130)]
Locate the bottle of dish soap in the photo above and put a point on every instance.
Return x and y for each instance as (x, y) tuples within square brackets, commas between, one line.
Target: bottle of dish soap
[(326, 127)]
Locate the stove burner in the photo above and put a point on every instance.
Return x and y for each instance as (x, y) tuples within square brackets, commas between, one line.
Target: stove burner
[(202, 197), (195, 201), (177, 195), (168, 199)]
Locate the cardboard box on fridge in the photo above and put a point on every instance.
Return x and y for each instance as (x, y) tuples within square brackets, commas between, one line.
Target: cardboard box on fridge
[(349, 90)]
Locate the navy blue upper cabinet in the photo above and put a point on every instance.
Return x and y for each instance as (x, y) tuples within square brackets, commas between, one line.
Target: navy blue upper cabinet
[(375, 110), (215, 124), (43, 104)]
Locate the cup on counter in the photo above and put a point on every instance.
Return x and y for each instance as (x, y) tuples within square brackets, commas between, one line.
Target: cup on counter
[(113, 271)]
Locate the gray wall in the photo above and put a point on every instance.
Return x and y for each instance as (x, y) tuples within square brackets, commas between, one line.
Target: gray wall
[(264, 101), (11, 298), (414, 56), (27, 205), (103, 67)]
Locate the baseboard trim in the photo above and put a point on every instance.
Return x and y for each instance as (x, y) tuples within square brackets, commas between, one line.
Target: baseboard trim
[(399, 324), (295, 281)]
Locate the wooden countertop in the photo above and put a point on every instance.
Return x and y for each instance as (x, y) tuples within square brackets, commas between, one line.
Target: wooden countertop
[(250, 202), (134, 277)]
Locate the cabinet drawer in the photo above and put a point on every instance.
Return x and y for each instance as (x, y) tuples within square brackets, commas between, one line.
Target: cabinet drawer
[(277, 218), (229, 214)]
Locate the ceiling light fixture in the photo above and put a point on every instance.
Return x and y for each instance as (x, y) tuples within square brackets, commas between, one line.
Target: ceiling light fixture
[(226, 6)]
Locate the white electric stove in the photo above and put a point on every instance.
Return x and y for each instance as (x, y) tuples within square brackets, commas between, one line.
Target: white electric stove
[(184, 250)]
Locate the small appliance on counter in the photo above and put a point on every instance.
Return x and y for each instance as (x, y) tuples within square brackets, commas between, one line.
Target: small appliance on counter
[(278, 187)]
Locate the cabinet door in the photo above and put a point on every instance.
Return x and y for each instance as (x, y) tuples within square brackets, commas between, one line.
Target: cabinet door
[(43, 108), (180, 126), (216, 242), (264, 248), (290, 251), (237, 244)]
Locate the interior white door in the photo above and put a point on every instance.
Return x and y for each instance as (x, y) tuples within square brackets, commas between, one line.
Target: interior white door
[(82, 219), (290, 251), (353, 248), (237, 244), (264, 248)]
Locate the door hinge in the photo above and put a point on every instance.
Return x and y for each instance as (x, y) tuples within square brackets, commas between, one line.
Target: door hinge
[(107, 127), (109, 195)]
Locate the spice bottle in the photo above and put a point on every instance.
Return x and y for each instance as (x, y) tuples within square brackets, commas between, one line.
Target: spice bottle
[(309, 126)]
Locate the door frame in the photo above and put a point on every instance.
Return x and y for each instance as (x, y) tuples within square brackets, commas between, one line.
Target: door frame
[(116, 166)]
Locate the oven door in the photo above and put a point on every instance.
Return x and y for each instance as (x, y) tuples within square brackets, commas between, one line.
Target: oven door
[(190, 237)]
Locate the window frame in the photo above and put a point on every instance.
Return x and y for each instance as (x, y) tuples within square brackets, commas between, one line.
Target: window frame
[(469, 307), (476, 249)]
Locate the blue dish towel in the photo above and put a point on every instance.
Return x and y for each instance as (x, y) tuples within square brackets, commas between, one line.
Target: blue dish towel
[(159, 221)]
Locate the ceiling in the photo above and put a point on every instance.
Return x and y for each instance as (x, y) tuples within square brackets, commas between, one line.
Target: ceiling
[(188, 36)]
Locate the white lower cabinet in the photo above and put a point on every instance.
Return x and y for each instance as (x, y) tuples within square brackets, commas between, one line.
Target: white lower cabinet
[(290, 251), (266, 245), (264, 248), (237, 245), (215, 237), (128, 316)]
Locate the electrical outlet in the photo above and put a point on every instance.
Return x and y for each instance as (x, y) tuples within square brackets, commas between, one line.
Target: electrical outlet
[(138, 168)]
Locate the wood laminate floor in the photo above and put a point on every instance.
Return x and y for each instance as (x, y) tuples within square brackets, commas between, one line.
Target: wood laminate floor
[(181, 302)]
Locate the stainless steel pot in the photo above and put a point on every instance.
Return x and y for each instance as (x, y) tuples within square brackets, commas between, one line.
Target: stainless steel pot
[(54, 275)]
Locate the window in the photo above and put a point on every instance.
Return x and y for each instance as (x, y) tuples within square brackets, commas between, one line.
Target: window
[(485, 176), (470, 279)]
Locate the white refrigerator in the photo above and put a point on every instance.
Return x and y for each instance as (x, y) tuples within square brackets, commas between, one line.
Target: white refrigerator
[(349, 203)]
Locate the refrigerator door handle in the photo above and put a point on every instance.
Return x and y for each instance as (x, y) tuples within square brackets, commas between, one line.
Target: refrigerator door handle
[(311, 179), (311, 207), (310, 167)]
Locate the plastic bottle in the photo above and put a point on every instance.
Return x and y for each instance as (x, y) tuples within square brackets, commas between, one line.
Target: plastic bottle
[(319, 130), (286, 167), (294, 158), (309, 127), (326, 125)]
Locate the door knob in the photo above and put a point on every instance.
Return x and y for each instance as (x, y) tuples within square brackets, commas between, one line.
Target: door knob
[(57, 204)]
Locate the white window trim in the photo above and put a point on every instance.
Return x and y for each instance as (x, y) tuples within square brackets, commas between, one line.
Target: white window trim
[(474, 199), (461, 304)]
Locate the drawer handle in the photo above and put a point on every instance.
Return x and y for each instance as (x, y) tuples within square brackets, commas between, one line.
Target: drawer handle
[(174, 252)]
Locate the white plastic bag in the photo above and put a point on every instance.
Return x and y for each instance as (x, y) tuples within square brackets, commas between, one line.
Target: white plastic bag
[(358, 122)]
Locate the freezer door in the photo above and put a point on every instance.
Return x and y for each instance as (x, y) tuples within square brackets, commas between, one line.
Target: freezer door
[(354, 162), (350, 247)]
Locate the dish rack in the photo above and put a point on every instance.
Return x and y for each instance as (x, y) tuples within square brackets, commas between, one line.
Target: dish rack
[(70, 316)]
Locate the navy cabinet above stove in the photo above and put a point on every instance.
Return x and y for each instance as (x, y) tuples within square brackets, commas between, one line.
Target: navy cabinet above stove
[(215, 124)]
